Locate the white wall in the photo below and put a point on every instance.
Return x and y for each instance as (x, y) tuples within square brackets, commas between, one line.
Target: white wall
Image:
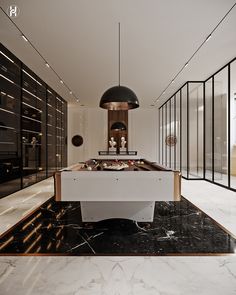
[(91, 124), (144, 133)]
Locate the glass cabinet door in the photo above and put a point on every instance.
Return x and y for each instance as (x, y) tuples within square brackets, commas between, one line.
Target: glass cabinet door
[(64, 134), (33, 128), (51, 131), (10, 148), (58, 133)]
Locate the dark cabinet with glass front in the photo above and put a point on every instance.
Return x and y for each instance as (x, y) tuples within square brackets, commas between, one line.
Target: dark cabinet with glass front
[(64, 134), (33, 126), (51, 131), (10, 148)]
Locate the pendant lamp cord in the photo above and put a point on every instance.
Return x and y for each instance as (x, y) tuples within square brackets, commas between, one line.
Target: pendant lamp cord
[(119, 52)]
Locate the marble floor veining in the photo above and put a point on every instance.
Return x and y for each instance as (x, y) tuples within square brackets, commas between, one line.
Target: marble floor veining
[(217, 202), (118, 275), (178, 228)]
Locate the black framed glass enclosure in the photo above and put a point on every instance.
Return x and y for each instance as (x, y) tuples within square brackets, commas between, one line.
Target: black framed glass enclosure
[(201, 120), (33, 126)]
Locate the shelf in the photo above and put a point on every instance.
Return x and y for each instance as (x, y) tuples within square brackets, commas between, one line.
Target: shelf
[(106, 153), (32, 107), (32, 94), (32, 119), (6, 127)]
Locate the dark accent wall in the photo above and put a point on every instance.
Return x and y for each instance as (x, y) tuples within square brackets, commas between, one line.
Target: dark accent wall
[(118, 116), (33, 126)]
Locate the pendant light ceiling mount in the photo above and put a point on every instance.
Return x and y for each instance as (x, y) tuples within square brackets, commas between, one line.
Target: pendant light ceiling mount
[(119, 97)]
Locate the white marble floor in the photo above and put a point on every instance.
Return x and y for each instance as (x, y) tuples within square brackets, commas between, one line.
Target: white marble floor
[(16, 206), (219, 203), (118, 275)]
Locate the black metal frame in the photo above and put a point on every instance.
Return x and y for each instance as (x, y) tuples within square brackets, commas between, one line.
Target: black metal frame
[(212, 77)]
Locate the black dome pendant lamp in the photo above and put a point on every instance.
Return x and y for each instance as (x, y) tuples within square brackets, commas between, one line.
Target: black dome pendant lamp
[(119, 97)]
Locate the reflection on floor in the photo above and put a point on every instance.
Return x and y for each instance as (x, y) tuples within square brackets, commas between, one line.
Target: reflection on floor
[(18, 205), (178, 227), (118, 275), (217, 202)]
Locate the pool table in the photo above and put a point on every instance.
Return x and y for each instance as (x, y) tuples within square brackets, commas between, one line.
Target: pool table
[(111, 188)]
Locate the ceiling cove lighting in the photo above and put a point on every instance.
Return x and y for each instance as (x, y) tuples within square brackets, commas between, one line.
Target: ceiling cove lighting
[(196, 51), (119, 97)]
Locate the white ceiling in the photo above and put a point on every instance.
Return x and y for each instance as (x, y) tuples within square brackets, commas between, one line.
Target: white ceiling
[(79, 38)]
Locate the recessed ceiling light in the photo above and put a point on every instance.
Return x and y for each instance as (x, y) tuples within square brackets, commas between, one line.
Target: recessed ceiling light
[(23, 36), (208, 38), (47, 65), (61, 81), (70, 92)]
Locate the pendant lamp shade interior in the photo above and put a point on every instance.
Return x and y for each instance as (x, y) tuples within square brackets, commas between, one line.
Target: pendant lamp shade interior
[(118, 126), (119, 97)]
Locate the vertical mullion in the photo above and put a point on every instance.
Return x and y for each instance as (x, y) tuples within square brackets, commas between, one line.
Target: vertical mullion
[(213, 133), (180, 104), (204, 131), (187, 130), (162, 146), (46, 101), (229, 117), (166, 135), (160, 134), (197, 133), (175, 131), (21, 132), (170, 134)]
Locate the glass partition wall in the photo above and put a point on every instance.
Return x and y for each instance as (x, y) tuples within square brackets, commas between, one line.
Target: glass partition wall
[(232, 131), (182, 131), (33, 126), (198, 129)]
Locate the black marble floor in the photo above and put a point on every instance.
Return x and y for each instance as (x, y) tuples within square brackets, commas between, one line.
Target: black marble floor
[(178, 228)]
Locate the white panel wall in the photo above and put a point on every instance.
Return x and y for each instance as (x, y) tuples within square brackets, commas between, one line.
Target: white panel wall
[(143, 133), (91, 124)]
